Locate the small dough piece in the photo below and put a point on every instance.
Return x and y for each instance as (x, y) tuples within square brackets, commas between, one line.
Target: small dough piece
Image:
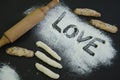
[(48, 49), (87, 12), (46, 71), (19, 51), (47, 60), (104, 26)]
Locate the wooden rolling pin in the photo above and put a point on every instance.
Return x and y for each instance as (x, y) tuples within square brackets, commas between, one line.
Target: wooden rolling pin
[(26, 24)]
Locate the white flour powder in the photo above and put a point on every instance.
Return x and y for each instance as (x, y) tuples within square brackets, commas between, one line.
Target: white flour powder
[(79, 55), (7, 73)]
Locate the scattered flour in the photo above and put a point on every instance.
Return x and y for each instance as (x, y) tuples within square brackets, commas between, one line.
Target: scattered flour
[(7, 73), (74, 56)]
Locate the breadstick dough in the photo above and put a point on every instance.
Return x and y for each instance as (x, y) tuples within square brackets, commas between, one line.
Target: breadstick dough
[(19, 51), (48, 49), (47, 71), (87, 12), (104, 26), (47, 60)]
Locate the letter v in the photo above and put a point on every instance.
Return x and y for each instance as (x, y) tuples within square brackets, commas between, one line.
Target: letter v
[(80, 39)]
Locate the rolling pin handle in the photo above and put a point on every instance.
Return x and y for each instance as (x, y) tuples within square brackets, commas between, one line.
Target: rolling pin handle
[(3, 41)]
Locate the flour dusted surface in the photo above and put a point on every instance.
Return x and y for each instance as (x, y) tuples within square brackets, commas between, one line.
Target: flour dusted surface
[(7, 73), (75, 57)]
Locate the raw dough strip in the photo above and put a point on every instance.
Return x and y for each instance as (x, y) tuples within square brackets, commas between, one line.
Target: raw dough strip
[(48, 49), (47, 60), (104, 26), (87, 12), (46, 71), (19, 51)]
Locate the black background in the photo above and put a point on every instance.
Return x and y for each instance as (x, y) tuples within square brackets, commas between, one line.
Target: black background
[(11, 11)]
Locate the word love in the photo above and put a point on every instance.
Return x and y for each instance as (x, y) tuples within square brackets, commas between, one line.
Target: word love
[(76, 32)]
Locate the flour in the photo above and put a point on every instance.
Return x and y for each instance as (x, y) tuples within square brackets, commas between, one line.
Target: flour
[(81, 46), (7, 73)]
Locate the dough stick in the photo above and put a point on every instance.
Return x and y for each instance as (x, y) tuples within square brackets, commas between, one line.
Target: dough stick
[(47, 60), (26, 24), (104, 26), (87, 12), (48, 49), (46, 71), (19, 51)]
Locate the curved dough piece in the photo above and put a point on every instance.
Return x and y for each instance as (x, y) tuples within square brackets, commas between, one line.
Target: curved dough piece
[(46, 71), (47, 60), (48, 49), (19, 51), (104, 26), (87, 12)]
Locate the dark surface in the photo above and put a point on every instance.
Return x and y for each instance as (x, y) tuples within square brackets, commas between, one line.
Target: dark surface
[(11, 11)]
